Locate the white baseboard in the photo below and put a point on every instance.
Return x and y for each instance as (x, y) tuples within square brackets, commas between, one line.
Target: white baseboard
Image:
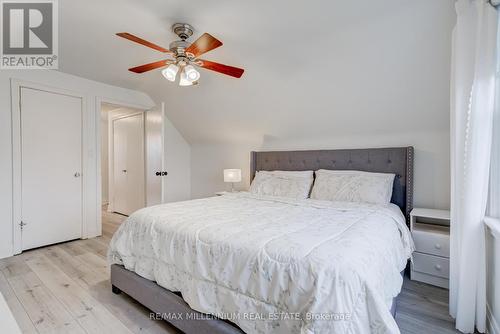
[(492, 324)]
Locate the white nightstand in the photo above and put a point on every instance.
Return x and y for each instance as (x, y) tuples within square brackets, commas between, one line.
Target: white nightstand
[(220, 193), (430, 229)]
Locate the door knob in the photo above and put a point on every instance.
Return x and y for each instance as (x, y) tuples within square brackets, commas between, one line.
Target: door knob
[(124, 170), (77, 174)]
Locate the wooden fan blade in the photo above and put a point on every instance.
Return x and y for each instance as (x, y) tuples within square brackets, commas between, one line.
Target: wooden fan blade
[(141, 41), (203, 44), (221, 68), (149, 67)]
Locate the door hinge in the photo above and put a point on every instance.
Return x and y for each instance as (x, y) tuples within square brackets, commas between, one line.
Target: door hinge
[(22, 224)]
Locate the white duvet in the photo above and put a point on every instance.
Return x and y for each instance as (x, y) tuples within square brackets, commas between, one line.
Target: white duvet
[(273, 265)]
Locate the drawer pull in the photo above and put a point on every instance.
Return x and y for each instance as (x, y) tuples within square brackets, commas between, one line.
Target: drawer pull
[(437, 246), (438, 267)]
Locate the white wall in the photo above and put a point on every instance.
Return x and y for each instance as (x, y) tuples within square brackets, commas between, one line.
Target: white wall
[(380, 78), (493, 237), (177, 184), (431, 181), (93, 92), (493, 281)]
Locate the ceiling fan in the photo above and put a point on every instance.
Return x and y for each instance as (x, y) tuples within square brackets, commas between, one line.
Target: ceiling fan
[(184, 56)]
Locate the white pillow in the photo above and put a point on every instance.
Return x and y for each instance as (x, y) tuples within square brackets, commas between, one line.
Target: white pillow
[(282, 183), (353, 186)]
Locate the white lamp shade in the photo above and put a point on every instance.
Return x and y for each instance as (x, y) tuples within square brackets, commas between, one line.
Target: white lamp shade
[(184, 80), (191, 73), (170, 72), (232, 175)]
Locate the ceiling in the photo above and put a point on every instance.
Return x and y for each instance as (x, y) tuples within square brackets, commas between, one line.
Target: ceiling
[(312, 67)]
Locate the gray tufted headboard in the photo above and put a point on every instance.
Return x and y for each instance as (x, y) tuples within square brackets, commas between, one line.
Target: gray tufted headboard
[(397, 160)]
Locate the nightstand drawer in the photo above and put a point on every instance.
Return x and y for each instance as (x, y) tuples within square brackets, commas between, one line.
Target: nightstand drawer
[(430, 264), (431, 242)]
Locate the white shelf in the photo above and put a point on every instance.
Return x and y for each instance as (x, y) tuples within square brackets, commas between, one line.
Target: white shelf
[(431, 213), (431, 228)]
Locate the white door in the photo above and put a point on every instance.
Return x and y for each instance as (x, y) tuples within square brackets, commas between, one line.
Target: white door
[(51, 163), (128, 161), (154, 156)]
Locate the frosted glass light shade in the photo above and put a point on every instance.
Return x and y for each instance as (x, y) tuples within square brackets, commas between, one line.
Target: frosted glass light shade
[(191, 73), (183, 81), (232, 175), (170, 72)]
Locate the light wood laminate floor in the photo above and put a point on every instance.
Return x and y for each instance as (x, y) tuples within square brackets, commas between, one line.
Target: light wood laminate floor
[(65, 288)]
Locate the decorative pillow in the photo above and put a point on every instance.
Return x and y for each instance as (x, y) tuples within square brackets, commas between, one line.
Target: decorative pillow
[(353, 186), (282, 183)]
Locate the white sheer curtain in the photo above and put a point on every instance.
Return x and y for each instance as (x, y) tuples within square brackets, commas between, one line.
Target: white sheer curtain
[(472, 105)]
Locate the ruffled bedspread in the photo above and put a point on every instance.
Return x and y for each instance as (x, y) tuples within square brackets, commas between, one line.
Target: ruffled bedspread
[(273, 265)]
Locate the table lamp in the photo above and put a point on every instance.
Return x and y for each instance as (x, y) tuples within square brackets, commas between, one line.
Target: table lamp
[(232, 175)]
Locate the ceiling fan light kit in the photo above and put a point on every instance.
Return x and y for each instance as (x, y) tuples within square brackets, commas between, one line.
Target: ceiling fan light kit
[(184, 81), (191, 73), (170, 72), (184, 56)]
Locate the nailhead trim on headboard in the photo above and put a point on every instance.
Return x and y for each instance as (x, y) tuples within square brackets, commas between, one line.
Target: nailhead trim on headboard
[(409, 183), (397, 160)]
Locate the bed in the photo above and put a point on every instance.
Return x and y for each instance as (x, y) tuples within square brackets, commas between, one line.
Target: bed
[(261, 264)]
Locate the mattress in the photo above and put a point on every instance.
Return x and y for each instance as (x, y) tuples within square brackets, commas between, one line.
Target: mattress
[(273, 265)]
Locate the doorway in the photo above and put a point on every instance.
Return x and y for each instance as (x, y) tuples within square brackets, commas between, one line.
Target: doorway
[(123, 158)]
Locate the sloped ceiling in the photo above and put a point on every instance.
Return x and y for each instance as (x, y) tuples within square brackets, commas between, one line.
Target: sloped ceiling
[(312, 67)]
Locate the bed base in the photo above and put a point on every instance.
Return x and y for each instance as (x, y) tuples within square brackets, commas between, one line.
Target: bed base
[(162, 301)]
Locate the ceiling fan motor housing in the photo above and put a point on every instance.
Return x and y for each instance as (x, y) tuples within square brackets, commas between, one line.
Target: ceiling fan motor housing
[(183, 30), (179, 47)]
